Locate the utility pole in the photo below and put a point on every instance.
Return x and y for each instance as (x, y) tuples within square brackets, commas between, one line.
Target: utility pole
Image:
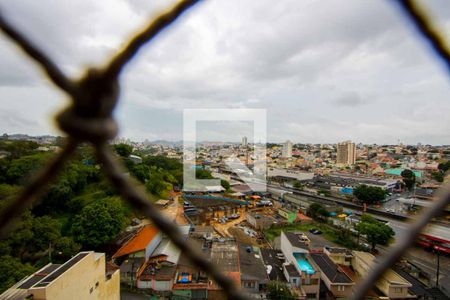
[(438, 265), (50, 252)]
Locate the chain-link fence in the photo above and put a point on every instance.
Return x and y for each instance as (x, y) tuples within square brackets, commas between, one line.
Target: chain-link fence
[(89, 119)]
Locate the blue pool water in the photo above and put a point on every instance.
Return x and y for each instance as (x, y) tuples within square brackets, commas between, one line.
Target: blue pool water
[(304, 264)]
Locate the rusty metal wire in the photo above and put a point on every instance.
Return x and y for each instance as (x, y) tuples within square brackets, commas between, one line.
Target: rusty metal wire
[(89, 118), (424, 24), (422, 21)]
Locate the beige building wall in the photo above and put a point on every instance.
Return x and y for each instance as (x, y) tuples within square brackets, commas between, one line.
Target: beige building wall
[(346, 153), (84, 280), (391, 284)]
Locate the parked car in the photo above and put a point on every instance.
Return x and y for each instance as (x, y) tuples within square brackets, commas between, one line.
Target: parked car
[(315, 231), (366, 246)]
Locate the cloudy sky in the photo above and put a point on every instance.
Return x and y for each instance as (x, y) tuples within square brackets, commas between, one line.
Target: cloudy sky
[(325, 71)]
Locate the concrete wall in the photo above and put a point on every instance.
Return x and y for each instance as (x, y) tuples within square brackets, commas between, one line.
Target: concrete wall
[(161, 285), (286, 248), (294, 281)]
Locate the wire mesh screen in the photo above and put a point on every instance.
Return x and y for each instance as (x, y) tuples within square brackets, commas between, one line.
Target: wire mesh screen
[(89, 119)]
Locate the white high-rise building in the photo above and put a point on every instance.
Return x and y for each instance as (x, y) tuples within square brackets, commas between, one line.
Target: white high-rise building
[(346, 153), (244, 141), (287, 149)]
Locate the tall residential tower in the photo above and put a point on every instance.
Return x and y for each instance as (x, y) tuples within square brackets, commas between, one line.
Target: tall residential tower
[(287, 149), (346, 153)]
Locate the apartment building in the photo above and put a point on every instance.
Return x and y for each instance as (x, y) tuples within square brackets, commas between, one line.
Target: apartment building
[(84, 276), (346, 153)]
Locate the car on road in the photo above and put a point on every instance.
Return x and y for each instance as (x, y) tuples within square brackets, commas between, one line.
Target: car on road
[(365, 246), (234, 216), (315, 231)]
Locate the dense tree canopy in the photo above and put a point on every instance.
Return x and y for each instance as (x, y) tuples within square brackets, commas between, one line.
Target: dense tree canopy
[(298, 185), (444, 166), (278, 290), (12, 270), (377, 232), (45, 230), (99, 222), (317, 211), (369, 194), (123, 150), (409, 178), (80, 211)]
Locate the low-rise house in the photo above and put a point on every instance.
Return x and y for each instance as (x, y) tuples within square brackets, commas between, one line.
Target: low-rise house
[(259, 221), (289, 215), (292, 275), (391, 284), (156, 275), (340, 256), (303, 219), (136, 251), (159, 270), (296, 250), (254, 276), (193, 283), (84, 276), (338, 283), (273, 260), (135, 159)]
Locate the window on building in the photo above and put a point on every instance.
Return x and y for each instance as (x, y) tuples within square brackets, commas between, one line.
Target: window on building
[(341, 288), (91, 290), (397, 290)]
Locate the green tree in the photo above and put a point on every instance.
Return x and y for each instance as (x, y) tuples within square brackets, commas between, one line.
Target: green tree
[(377, 232), (317, 212), (203, 174), (438, 176), (444, 166), (278, 290), (409, 178), (64, 249), (99, 222), (369, 194), (123, 150), (225, 184), (12, 270), (21, 234), (21, 168), (141, 172), (298, 185), (46, 231), (159, 182), (18, 148)]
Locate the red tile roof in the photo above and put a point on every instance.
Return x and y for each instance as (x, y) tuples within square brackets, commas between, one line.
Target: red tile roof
[(138, 242)]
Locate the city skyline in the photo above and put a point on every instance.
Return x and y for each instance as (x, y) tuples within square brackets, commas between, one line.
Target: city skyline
[(237, 141)]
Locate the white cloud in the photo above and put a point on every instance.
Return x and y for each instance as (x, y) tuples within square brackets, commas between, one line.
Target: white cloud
[(324, 71)]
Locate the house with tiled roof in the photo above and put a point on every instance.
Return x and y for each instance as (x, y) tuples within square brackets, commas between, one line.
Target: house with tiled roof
[(306, 277), (135, 251), (338, 283)]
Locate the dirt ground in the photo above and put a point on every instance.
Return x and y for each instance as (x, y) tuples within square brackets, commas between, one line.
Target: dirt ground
[(241, 237)]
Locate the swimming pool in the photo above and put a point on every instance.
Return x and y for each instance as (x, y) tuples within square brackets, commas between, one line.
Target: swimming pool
[(304, 264)]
